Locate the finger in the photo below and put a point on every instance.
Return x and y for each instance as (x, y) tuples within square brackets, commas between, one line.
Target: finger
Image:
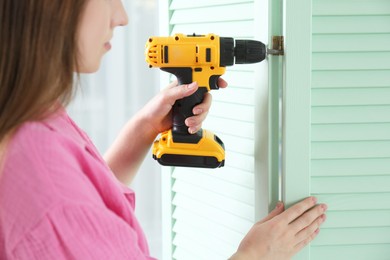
[(307, 218), (171, 94), (276, 211), (305, 242), (222, 83), (204, 106), (172, 84), (196, 120), (194, 129), (309, 230), (298, 209)]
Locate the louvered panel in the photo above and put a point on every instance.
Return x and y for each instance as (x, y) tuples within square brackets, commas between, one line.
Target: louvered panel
[(180, 4), (348, 219), (346, 150), (354, 79), (355, 184), (360, 252), (222, 189), (350, 135), (213, 228), (350, 132), (241, 11), (214, 208), (351, 114), (351, 167), (226, 219)]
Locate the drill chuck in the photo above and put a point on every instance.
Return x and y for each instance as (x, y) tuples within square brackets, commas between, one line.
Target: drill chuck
[(242, 52)]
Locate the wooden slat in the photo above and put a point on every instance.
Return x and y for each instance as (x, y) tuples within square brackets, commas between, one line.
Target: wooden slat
[(208, 183), (348, 219), (351, 61), (355, 79), (231, 175), (350, 132), (214, 229), (213, 248), (181, 253), (230, 127), (218, 201), (345, 150), (237, 112), (351, 42), (235, 95), (356, 184), (196, 249), (180, 4), (350, 96), (357, 201), (351, 114), (355, 252), (347, 7), (351, 167), (351, 24), (240, 29), (353, 236), (237, 12), (228, 220)]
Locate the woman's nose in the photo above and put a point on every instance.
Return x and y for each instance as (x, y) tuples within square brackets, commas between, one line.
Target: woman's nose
[(119, 16)]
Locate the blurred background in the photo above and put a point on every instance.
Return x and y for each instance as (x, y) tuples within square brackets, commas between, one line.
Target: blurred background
[(107, 99)]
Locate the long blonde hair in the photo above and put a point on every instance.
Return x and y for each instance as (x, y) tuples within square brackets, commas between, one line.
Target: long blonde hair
[(38, 51)]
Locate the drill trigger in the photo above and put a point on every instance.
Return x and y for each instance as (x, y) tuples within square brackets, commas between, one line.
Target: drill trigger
[(213, 81)]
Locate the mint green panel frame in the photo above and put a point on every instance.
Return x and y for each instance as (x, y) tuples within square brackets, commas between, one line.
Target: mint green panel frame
[(275, 9), (296, 105)]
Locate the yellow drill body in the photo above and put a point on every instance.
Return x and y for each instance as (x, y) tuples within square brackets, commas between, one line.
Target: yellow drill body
[(200, 58)]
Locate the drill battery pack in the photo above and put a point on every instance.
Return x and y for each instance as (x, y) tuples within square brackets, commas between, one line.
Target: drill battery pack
[(208, 152)]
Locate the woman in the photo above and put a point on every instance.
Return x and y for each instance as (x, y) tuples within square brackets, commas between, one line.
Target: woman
[(59, 199)]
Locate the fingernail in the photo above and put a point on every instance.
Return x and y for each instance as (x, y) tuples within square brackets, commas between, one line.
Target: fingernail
[(279, 205), (198, 111), (324, 207), (314, 199), (192, 85)]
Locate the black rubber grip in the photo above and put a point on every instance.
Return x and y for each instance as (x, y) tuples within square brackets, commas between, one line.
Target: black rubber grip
[(182, 109)]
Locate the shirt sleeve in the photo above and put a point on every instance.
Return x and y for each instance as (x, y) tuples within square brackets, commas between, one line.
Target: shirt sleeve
[(79, 232)]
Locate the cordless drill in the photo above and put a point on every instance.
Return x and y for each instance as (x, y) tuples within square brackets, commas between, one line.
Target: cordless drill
[(200, 58)]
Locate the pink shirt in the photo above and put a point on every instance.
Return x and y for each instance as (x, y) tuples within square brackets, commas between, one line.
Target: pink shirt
[(59, 200)]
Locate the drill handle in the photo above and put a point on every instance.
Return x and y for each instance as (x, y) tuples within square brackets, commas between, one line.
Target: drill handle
[(182, 109)]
